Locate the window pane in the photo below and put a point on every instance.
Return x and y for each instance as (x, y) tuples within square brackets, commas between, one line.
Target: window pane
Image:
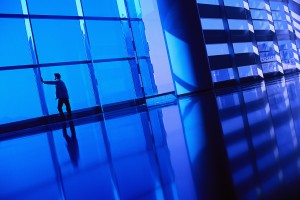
[(268, 56), (235, 24), (11, 7), (212, 24), (257, 4), (21, 179), (58, 40), (261, 25), (259, 14), (245, 47), (102, 8), (140, 38), (147, 77), (134, 8), (265, 46), (115, 82), (89, 152), (276, 5), (222, 75), (289, 63), (279, 15), (19, 96), (121, 144), (78, 83), (52, 7), (250, 70), (285, 44), (217, 49), (107, 39), (234, 3), (211, 2), (270, 67), (14, 48), (281, 25)]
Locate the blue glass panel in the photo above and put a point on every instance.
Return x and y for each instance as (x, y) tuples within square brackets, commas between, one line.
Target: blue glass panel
[(58, 40), (121, 144), (281, 25), (243, 47), (265, 46), (11, 7), (249, 70), (147, 77), (259, 14), (289, 63), (19, 96), (211, 2), (222, 75), (140, 38), (217, 49), (270, 67), (279, 15), (28, 171), (143, 173), (115, 82), (237, 24), (52, 7), (261, 25), (256, 4), (14, 48), (234, 3), (268, 56), (286, 54), (107, 39), (86, 154), (134, 8), (78, 83), (212, 24), (277, 5), (103, 8)]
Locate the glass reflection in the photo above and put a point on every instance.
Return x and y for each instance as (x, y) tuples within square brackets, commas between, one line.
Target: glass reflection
[(242, 143)]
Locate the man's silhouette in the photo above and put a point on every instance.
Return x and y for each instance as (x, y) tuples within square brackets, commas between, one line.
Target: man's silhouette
[(61, 94), (72, 143)]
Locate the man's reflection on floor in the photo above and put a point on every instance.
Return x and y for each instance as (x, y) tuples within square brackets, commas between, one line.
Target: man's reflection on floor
[(72, 143)]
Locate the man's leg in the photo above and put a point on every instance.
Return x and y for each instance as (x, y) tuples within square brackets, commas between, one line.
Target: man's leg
[(59, 107), (68, 108)]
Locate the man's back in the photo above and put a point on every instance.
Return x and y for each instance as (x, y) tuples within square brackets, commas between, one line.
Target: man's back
[(61, 89)]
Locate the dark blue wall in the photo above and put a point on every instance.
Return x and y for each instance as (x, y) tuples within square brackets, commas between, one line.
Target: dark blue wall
[(185, 44)]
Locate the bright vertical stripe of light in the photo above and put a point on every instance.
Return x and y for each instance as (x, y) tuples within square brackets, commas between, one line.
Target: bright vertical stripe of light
[(79, 8), (122, 8), (24, 7)]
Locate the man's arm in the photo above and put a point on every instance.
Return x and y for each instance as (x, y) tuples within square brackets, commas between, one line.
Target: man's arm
[(50, 82)]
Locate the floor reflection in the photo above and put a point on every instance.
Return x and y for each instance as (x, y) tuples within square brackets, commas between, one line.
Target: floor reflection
[(225, 144)]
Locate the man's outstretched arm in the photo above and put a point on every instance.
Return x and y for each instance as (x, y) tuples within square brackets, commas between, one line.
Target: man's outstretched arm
[(49, 82)]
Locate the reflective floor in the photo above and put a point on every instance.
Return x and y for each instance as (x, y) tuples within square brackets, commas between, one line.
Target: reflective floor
[(225, 144)]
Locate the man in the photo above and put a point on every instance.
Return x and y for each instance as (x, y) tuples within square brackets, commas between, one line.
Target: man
[(61, 95)]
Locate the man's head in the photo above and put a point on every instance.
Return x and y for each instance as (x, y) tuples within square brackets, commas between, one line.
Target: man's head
[(57, 76)]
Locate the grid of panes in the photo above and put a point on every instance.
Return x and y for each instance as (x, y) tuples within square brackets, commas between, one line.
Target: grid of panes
[(98, 47), (260, 139), (254, 38), (295, 18), (230, 41), (285, 35), (217, 45), (265, 36)]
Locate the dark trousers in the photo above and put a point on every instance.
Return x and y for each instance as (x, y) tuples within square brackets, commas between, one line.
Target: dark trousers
[(60, 104)]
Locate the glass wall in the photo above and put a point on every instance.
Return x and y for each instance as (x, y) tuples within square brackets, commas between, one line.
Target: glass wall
[(249, 39), (98, 47)]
